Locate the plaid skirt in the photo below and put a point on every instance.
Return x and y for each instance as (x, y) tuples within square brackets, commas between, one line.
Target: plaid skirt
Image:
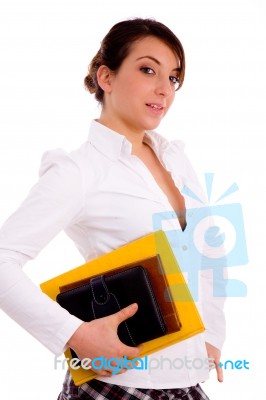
[(98, 390)]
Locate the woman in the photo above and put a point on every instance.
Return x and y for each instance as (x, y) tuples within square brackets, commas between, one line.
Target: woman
[(104, 195)]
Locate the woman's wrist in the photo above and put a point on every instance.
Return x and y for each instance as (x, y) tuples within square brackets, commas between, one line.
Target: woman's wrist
[(76, 338)]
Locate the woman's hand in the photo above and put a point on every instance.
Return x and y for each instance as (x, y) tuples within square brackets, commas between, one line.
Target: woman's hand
[(98, 338), (215, 355)]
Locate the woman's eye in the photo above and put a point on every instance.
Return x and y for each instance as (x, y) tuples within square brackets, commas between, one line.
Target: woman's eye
[(147, 70), (175, 81)]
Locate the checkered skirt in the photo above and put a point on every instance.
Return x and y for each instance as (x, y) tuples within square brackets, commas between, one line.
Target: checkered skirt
[(98, 390)]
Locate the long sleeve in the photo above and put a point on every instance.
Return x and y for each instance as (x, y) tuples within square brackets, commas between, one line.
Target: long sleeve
[(53, 203)]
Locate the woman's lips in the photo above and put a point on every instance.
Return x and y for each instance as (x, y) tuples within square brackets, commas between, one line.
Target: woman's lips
[(155, 107)]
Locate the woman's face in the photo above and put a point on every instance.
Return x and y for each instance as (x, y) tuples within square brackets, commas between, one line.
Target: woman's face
[(143, 89)]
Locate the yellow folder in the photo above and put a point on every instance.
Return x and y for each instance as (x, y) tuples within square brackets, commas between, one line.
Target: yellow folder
[(147, 246)]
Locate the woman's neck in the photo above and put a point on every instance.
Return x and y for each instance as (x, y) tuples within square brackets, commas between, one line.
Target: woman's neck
[(134, 137)]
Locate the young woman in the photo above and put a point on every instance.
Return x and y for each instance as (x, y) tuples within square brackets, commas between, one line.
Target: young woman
[(104, 195)]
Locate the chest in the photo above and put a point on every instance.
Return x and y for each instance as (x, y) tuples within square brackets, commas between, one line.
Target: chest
[(127, 198), (164, 180)]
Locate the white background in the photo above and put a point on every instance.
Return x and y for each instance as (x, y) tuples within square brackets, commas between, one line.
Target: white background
[(45, 47)]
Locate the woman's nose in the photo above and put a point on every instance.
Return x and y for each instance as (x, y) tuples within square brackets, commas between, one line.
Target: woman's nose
[(164, 87)]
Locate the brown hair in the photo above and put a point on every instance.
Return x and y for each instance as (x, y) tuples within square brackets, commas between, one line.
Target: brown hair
[(116, 45)]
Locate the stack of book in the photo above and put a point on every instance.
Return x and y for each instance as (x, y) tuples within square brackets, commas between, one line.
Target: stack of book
[(144, 271)]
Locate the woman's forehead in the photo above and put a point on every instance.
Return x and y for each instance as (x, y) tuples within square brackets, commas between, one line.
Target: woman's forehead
[(154, 47)]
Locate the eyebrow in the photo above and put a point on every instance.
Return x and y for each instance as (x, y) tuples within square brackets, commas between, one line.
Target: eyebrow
[(156, 61)]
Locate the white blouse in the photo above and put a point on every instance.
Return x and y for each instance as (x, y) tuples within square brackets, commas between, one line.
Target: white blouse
[(102, 196)]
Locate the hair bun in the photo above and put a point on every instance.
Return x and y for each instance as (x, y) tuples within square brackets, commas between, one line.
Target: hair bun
[(90, 84)]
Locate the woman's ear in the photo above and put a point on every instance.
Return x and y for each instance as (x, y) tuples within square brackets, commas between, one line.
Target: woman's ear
[(104, 77)]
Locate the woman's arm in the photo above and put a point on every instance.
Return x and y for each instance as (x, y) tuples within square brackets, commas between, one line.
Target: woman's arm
[(53, 203)]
